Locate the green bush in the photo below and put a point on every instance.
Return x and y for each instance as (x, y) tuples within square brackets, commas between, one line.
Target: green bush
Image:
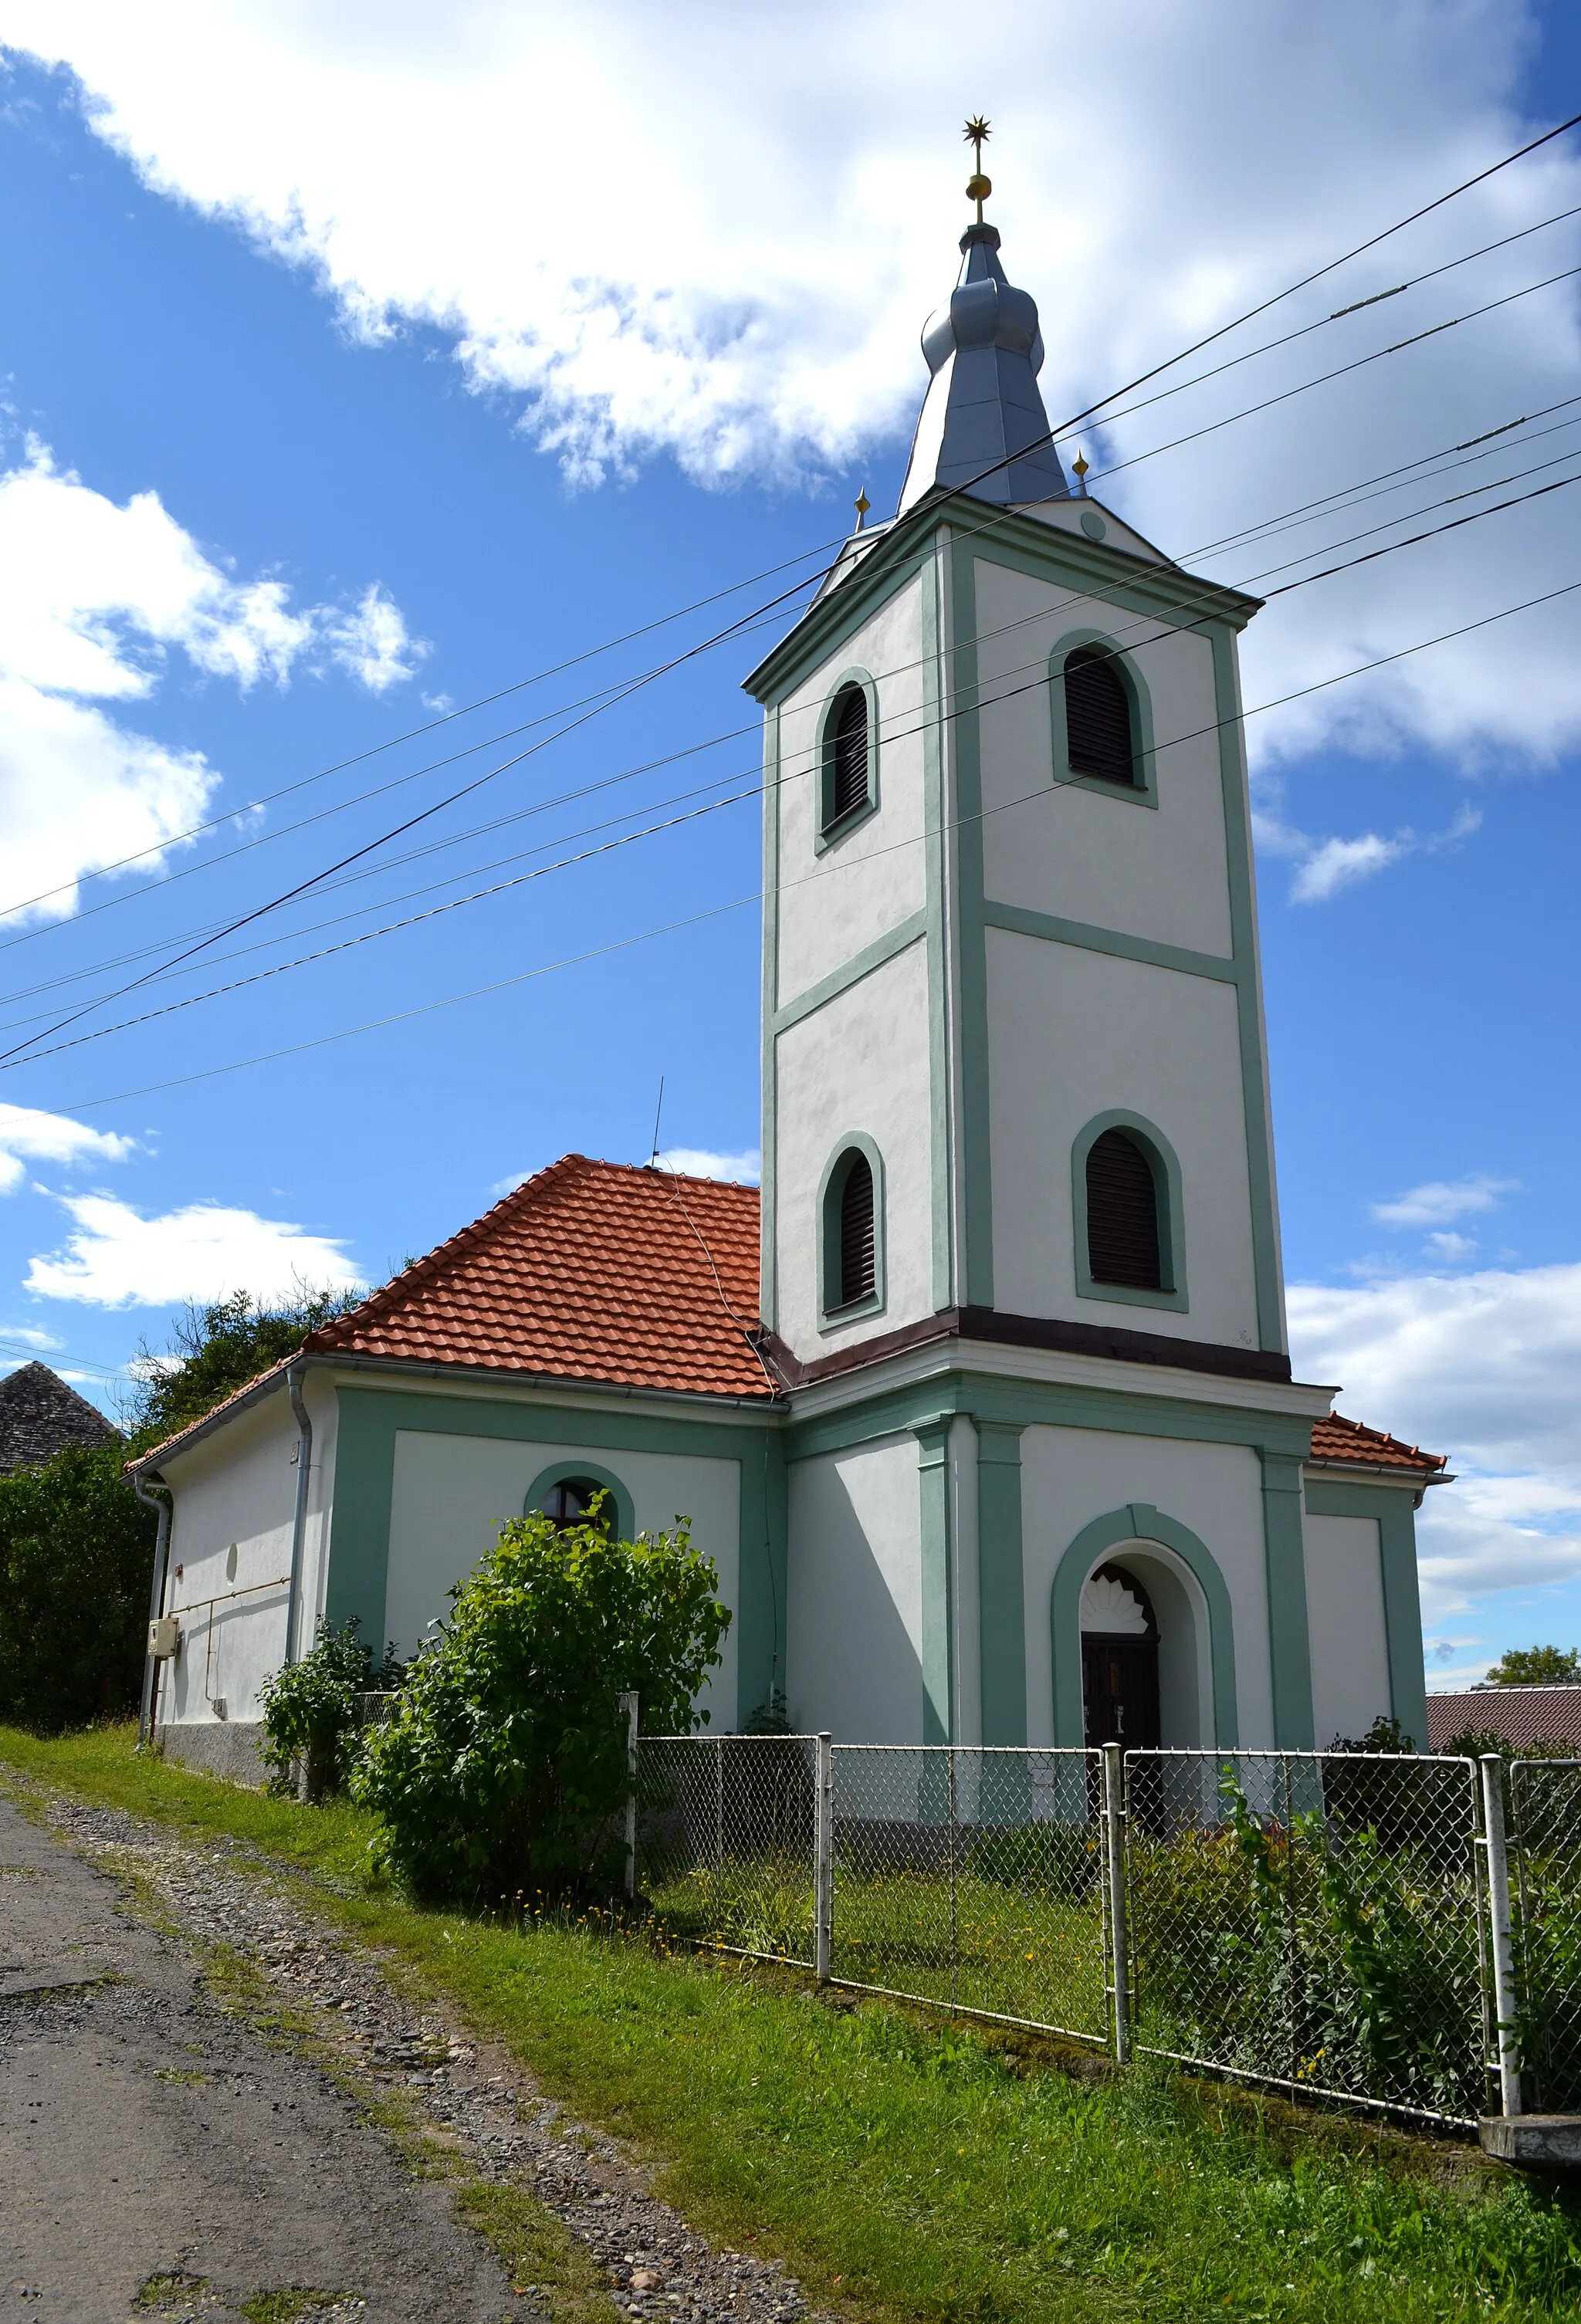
[(76, 1556), (311, 1716), (503, 1768)]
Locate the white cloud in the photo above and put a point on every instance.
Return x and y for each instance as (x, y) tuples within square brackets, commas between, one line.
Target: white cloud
[(703, 1162), (750, 300), (27, 1335), (117, 1257), (28, 1135), (1441, 1200), (1326, 866), (93, 596), (1485, 1367)]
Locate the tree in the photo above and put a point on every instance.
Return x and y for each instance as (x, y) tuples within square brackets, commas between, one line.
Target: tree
[(1536, 1667), (216, 1349), (76, 1554), (503, 1767), (311, 1713)]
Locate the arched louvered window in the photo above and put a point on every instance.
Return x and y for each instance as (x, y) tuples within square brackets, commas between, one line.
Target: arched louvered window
[(1125, 1246), (852, 1230), (1099, 739), (858, 1234), (848, 756)]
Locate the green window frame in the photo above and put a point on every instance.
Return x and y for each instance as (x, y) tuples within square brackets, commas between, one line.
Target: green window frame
[(830, 827), (560, 1472), (1143, 791), (832, 1315), (1165, 1164)]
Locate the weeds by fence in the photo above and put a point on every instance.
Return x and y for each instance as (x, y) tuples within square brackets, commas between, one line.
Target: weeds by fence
[(1316, 1922)]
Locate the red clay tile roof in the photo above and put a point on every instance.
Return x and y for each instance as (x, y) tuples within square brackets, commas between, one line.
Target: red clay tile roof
[(1334, 1438), (591, 1270), (1520, 1714)]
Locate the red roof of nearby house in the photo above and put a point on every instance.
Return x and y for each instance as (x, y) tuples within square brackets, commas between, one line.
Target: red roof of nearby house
[(1334, 1438), (1520, 1714), (591, 1270), (640, 1278)]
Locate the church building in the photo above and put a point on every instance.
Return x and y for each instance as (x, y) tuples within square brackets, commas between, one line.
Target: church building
[(984, 1406)]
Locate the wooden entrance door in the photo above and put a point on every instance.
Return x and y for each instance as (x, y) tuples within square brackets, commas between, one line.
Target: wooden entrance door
[(1120, 1683)]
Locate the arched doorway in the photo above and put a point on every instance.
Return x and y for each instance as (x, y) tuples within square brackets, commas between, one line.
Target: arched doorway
[(1119, 1661)]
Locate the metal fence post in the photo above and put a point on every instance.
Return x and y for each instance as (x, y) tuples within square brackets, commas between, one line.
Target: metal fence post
[(1492, 1784), (718, 1840), (823, 1860), (629, 1706), (1114, 1861)]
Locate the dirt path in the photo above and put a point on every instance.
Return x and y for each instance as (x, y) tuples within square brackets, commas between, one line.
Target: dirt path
[(160, 2156)]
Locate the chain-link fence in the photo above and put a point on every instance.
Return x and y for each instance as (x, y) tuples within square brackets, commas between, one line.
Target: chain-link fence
[(1333, 1925), (1544, 1808), (725, 1840), (1311, 1921), (974, 1878)]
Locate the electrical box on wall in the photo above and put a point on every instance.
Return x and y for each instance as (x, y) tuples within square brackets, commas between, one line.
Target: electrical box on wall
[(164, 1638)]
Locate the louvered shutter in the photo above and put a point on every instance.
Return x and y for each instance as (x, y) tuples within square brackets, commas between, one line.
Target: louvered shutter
[(1123, 1215), (858, 1248), (848, 790), (1097, 718)]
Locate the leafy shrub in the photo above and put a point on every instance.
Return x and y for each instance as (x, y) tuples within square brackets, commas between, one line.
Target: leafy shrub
[(76, 1556), (504, 1770), (217, 1349), (311, 1716)]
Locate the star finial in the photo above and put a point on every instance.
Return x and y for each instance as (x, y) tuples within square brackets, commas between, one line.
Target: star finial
[(978, 187)]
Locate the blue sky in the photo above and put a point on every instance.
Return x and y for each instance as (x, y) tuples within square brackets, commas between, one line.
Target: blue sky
[(320, 419)]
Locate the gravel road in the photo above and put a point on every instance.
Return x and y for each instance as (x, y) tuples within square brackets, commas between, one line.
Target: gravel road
[(161, 2158)]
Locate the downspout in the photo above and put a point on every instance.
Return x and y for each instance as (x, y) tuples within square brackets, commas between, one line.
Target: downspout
[(299, 1531), (161, 1542)]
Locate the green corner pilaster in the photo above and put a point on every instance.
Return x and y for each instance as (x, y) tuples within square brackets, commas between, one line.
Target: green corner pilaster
[(971, 935), (1285, 1565), (1395, 1513), (933, 1437), (1001, 1589), (936, 818), (762, 1577), (359, 1525)]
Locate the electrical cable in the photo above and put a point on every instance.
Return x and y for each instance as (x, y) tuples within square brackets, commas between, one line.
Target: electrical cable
[(990, 702)]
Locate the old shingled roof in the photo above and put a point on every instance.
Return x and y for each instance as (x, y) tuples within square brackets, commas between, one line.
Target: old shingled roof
[(1334, 1438), (40, 1416), (1520, 1714), (591, 1270)]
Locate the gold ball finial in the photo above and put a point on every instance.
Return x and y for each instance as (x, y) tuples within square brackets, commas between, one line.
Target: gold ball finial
[(1079, 466), (861, 504)]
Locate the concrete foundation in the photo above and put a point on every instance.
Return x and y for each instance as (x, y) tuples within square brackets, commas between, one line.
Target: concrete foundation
[(219, 1747), (1533, 2142)]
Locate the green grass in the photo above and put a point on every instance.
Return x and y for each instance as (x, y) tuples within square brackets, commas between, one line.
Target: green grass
[(911, 2168)]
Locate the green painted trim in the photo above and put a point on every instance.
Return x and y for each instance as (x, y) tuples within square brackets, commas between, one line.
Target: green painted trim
[(936, 820), (1002, 1645), (1393, 1506), (1068, 560), (826, 1227), (1254, 1097), (1027, 1404), (976, 1154), (625, 1522), (1165, 1164), (768, 1246), (933, 1437), (371, 1418), (877, 954), (1144, 790), (828, 833), (1020, 920), (1289, 1649), (1137, 1522)]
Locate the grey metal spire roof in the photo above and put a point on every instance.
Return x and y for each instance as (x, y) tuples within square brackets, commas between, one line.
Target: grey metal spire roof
[(983, 406)]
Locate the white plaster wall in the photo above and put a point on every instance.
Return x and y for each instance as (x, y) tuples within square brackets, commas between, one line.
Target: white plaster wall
[(235, 1492), (451, 1494), (855, 1595), (1158, 872), (1073, 1034), (1069, 1476), (834, 904), (1346, 1624), (860, 1062)]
